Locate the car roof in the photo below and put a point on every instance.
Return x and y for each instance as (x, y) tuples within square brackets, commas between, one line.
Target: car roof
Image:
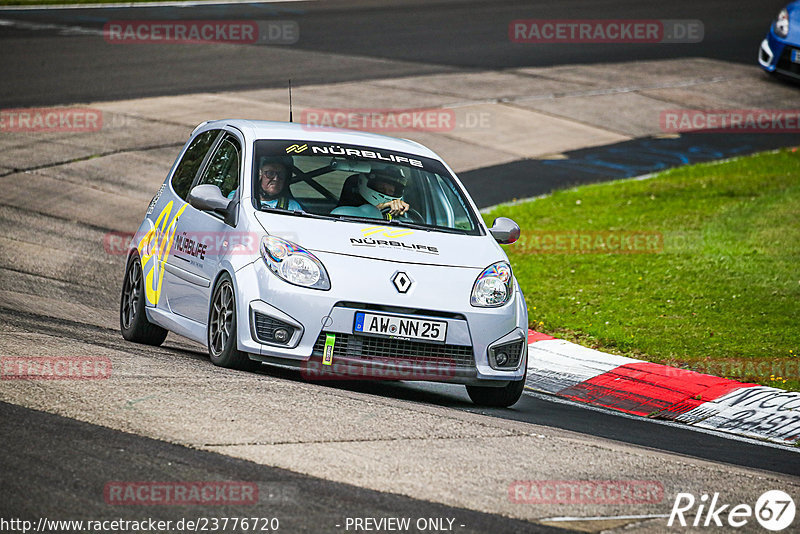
[(256, 129)]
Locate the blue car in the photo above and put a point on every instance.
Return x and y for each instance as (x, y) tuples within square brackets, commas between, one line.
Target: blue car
[(780, 50)]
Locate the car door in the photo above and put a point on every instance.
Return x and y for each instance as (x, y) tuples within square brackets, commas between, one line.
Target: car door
[(165, 210), (201, 236)]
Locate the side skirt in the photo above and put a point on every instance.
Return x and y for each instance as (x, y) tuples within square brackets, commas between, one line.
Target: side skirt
[(178, 324)]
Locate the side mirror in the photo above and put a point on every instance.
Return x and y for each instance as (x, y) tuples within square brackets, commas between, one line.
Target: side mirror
[(208, 197), (504, 230)]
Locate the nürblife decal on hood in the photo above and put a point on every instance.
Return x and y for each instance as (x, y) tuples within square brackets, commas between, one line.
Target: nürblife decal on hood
[(383, 237)]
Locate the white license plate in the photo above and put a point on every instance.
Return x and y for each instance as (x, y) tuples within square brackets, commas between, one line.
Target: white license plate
[(795, 56), (399, 327)]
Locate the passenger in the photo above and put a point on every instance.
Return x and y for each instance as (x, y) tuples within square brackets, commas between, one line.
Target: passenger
[(272, 188)]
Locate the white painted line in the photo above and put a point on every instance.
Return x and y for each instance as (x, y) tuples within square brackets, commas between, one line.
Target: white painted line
[(127, 5), (64, 29), (61, 28), (604, 518)]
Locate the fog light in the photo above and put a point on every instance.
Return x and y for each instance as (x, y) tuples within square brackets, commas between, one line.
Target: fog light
[(506, 356), (281, 335), (501, 358)]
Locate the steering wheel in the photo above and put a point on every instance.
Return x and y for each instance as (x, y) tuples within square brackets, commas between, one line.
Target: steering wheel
[(412, 214)]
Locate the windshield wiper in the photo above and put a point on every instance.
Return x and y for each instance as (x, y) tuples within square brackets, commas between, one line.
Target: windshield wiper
[(398, 222), (354, 218), (427, 228), (296, 213), (418, 226)]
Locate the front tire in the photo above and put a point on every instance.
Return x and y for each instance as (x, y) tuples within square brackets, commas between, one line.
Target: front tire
[(503, 397), (222, 346), (132, 318)]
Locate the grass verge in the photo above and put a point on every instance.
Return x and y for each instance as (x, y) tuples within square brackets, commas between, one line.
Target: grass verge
[(697, 267)]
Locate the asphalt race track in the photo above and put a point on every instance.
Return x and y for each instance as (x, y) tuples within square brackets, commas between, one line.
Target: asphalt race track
[(340, 41), (318, 453), (95, 455)]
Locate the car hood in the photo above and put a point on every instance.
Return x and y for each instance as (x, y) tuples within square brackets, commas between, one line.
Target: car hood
[(794, 23), (388, 243)]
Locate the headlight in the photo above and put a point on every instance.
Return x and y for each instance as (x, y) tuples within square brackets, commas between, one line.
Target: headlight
[(294, 264), (493, 287), (782, 23)]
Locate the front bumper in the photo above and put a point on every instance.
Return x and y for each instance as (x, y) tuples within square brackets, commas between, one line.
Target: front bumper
[(775, 55), (438, 293), (766, 56)]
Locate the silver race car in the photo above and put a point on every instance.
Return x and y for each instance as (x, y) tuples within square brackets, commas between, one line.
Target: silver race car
[(342, 254)]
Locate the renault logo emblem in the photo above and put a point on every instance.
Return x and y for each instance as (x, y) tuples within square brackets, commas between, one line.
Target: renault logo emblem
[(401, 281)]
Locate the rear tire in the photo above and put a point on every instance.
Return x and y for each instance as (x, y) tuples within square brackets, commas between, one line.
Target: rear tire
[(222, 345), (503, 397), (132, 317)]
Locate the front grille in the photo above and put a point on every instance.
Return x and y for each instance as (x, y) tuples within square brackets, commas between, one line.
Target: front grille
[(400, 311), (785, 63), (397, 350), (266, 326)]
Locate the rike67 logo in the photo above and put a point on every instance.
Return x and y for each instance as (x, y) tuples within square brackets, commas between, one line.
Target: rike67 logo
[(774, 511)]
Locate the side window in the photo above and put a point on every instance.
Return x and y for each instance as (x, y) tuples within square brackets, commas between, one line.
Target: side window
[(187, 168), (455, 208), (223, 167)]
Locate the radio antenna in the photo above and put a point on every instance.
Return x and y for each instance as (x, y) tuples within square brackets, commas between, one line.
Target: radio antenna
[(290, 100)]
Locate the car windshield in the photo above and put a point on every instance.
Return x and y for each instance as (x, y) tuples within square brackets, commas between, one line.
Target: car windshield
[(357, 182)]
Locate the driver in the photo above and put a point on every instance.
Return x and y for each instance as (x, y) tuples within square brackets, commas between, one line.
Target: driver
[(383, 188)]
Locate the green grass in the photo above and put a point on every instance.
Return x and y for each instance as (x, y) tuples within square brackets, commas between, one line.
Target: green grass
[(721, 296)]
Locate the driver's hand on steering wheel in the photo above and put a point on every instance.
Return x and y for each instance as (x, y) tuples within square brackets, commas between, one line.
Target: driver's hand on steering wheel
[(396, 207)]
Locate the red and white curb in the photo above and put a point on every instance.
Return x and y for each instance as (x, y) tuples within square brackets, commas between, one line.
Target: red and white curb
[(647, 389)]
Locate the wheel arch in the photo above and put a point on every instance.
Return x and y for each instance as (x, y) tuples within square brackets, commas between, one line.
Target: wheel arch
[(225, 269), (133, 251)]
